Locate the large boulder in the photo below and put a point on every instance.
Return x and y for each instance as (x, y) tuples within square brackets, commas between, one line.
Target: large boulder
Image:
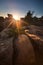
[(25, 54), (17, 51)]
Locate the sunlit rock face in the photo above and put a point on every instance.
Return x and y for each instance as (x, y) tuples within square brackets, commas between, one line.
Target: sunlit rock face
[(25, 55), (17, 51)]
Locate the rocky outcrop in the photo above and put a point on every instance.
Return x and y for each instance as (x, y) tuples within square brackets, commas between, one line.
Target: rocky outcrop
[(17, 51), (6, 48)]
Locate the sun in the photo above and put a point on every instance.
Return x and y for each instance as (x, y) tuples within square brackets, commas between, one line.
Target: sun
[(16, 17)]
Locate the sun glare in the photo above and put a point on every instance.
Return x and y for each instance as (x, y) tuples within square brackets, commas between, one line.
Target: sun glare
[(16, 17)]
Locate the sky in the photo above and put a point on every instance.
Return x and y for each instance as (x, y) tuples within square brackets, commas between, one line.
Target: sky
[(21, 7)]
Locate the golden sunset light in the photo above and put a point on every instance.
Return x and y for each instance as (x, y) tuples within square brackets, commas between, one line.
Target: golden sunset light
[(21, 32), (16, 17)]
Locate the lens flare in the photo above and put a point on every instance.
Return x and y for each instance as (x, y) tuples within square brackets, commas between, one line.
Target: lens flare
[(16, 17)]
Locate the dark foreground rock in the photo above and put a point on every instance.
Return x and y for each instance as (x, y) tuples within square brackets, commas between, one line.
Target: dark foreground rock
[(16, 51)]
